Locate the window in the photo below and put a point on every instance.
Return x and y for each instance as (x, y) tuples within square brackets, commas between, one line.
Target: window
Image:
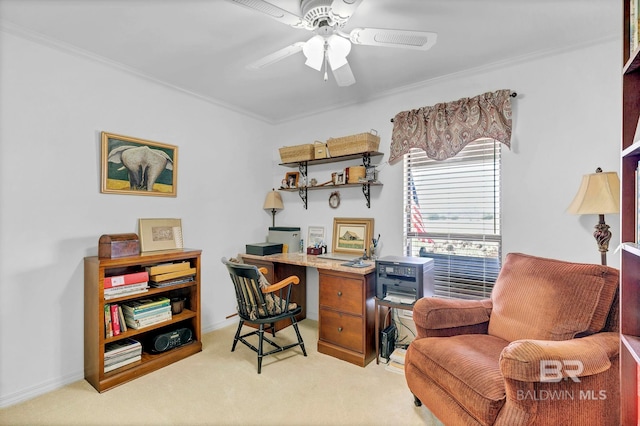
[(452, 214)]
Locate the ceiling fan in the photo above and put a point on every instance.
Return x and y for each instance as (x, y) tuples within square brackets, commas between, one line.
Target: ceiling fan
[(330, 46)]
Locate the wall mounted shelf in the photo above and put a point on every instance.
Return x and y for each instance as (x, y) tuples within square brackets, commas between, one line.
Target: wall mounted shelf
[(303, 167)]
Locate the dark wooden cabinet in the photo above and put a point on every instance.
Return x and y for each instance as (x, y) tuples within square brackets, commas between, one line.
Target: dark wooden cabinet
[(346, 317), (630, 261), (95, 340)]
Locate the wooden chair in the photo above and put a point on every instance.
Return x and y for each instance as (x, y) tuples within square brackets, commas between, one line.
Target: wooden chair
[(262, 304)]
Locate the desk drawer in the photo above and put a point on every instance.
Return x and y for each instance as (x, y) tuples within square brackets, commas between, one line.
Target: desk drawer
[(342, 294), (341, 329)]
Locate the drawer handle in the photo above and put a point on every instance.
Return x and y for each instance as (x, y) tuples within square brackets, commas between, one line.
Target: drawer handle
[(339, 329), (339, 293)]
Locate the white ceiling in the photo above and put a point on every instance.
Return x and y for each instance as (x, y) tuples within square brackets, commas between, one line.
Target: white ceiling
[(203, 46)]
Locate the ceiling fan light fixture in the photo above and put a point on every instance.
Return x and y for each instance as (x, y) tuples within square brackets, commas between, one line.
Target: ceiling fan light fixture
[(337, 50), (313, 50)]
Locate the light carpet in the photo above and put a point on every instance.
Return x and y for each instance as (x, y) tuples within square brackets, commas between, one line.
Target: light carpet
[(220, 387)]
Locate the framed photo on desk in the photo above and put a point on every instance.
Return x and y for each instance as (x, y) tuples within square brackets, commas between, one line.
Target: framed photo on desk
[(352, 235)]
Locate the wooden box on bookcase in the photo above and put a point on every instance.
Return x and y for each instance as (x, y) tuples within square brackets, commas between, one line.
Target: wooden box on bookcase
[(630, 261), (95, 337)]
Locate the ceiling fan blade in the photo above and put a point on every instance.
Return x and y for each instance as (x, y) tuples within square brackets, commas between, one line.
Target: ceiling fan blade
[(420, 40), (274, 12), (342, 10), (343, 75), (277, 56)]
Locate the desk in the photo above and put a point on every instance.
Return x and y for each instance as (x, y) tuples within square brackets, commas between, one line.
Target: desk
[(346, 311), (391, 305)]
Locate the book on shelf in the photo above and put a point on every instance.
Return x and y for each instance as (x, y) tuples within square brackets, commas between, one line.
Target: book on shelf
[(147, 321), (123, 324), (108, 330), (142, 304), (119, 346), (126, 290), (115, 319), (169, 283), (172, 275), (122, 363), (165, 268), (146, 313), (132, 278)]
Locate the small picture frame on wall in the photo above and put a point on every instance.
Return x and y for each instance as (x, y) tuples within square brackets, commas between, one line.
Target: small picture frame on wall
[(160, 234), (136, 166)]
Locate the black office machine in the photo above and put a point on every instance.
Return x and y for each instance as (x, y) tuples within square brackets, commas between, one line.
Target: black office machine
[(403, 279)]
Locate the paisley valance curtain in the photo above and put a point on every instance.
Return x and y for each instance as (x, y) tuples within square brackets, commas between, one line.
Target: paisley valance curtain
[(444, 129)]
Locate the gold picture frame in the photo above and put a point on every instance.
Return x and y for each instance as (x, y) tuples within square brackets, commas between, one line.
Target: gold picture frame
[(160, 234), (352, 235), (136, 166)]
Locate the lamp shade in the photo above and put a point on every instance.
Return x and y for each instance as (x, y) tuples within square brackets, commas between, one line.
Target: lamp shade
[(599, 193), (273, 201)]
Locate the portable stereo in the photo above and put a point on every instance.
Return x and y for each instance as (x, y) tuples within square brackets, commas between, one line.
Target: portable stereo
[(172, 339)]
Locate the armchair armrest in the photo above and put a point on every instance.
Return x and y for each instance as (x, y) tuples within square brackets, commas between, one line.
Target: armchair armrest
[(448, 317), (581, 357)]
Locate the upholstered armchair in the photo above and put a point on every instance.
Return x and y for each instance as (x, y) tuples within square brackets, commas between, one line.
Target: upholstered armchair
[(543, 350)]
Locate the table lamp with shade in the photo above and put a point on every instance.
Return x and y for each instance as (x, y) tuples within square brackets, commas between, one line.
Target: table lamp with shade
[(599, 193), (273, 202)]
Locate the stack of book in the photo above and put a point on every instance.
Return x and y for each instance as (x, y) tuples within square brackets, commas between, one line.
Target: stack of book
[(168, 274), (145, 312), (124, 285), (120, 353), (396, 361)]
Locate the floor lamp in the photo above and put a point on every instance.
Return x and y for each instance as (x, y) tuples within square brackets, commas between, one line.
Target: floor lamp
[(273, 202), (599, 193)]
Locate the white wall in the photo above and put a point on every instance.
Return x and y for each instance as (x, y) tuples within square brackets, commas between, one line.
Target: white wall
[(54, 105)]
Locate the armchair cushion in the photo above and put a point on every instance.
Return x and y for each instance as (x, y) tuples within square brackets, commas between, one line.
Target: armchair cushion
[(535, 298), (446, 317)]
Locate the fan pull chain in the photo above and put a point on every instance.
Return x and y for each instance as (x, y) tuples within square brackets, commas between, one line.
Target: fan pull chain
[(326, 54)]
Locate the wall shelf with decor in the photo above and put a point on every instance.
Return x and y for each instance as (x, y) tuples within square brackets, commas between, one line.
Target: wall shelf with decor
[(630, 261), (99, 337), (303, 169)]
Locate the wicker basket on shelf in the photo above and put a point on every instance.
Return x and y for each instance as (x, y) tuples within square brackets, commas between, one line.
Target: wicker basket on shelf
[(354, 144), (296, 153)]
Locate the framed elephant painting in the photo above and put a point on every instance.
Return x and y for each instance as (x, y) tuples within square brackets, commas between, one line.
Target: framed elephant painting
[(138, 167)]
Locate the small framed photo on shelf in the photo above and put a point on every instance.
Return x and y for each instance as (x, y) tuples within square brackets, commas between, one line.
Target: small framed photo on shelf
[(352, 235), (160, 234), (292, 179)]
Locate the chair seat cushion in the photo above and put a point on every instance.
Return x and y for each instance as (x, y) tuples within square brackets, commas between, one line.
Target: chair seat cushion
[(467, 368)]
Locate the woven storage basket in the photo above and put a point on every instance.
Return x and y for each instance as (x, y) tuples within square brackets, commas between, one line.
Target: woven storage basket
[(354, 144), (292, 154)]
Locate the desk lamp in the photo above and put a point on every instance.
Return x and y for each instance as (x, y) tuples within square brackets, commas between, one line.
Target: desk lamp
[(273, 202), (599, 194)]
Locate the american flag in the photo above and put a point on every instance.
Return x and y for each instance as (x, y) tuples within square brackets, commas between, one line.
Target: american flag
[(416, 215)]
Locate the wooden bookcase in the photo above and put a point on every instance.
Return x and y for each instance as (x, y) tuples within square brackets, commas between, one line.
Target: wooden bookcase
[(95, 269), (630, 262)]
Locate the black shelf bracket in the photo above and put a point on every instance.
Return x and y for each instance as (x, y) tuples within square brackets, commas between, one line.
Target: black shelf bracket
[(366, 159), (366, 190), (302, 190)]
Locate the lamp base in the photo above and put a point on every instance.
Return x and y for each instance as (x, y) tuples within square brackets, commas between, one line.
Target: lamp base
[(602, 236)]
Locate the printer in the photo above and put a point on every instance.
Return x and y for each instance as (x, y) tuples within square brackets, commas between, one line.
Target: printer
[(403, 279)]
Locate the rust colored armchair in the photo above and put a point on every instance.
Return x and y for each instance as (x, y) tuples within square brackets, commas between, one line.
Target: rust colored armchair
[(543, 350)]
